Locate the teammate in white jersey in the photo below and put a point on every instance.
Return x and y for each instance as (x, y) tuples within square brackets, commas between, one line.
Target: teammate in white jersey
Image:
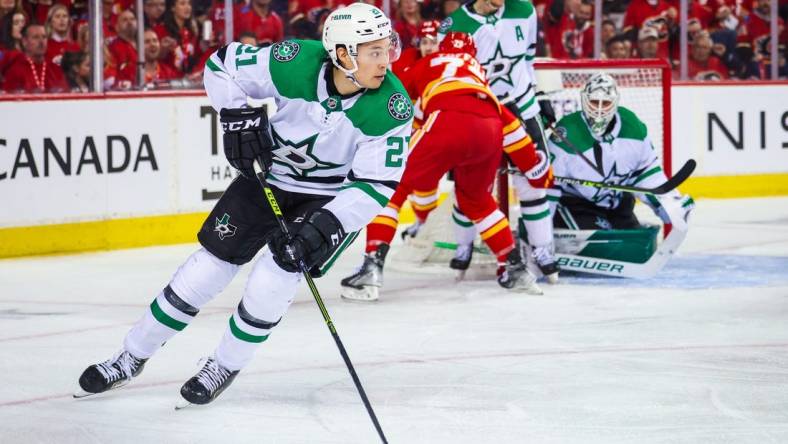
[(335, 152), (505, 33), (616, 142)]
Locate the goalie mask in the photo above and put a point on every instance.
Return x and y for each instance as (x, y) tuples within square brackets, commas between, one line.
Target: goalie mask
[(352, 26), (599, 99)]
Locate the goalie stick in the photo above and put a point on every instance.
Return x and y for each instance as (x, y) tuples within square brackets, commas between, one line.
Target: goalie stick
[(671, 184)]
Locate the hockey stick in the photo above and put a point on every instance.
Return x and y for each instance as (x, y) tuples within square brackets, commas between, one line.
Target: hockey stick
[(280, 219), (671, 184)]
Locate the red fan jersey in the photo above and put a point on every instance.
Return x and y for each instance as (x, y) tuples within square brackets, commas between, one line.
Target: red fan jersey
[(640, 13)]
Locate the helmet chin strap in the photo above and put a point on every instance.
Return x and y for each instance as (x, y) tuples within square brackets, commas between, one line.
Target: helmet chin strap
[(349, 73)]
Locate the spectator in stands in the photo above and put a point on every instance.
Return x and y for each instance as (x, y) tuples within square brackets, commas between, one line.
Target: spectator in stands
[(248, 38), (702, 65), (608, 31), (407, 25), (178, 36), (9, 6), (153, 10), (58, 26), (156, 72), (33, 71), (76, 69), (648, 43), (616, 47), (123, 48), (110, 11), (569, 29), (258, 18), (658, 14), (11, 31), (756, 29)]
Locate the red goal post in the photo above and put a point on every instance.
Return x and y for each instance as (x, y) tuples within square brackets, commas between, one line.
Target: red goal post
[(644, 86)]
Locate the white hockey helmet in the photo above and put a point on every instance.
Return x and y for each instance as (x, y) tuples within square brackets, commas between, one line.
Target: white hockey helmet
[(599, 99), (353, 25)]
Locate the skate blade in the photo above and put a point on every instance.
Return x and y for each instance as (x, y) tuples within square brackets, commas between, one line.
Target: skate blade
[(79, 394), (182, 404), (366, 294), (459, 276)]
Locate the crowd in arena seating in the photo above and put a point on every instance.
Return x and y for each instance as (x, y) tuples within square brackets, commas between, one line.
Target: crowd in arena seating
[(44, 44)]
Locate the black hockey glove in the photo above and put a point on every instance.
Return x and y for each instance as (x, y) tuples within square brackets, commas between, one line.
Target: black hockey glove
[(246, 138), (546, 109), (313, 241)]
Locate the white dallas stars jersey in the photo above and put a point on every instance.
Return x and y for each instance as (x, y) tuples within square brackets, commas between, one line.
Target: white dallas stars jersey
[(352, 148), (627, 154), (505, 46)]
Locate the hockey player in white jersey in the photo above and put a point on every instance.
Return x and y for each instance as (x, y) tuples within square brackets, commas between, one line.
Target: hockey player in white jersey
[(617, 150), (334, 158), (505, 34)]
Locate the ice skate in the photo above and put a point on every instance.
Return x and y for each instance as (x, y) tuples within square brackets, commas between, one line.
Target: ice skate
[(364, 285), (516, 277), (461, 260), (545, 260), (206, 385), (110, 374)]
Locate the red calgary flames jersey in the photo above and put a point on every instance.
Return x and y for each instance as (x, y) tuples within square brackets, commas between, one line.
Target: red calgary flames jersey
[(456, 79), (446, 74)]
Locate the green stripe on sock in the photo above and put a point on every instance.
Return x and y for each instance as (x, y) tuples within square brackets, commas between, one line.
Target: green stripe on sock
[(164, 318), (367, 188), (242, 335), (537, 216), (461, 223), (552, 198), (527, 105)]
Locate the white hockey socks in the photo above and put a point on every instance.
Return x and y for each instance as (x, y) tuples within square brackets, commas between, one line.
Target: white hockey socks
[(268, 294), (197, 281)]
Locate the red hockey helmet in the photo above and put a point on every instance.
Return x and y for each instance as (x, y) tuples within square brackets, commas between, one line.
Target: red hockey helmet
[(458, 42), (429, 28)]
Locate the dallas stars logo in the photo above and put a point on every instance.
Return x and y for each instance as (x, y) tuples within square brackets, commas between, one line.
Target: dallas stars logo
[(601, 194), (297, 156), (499, 66), (224, 227)]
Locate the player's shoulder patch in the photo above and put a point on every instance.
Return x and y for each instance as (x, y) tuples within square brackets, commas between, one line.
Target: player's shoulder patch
[(295, 66), (572, 128), (400, 107), (518, 9), (380, 111), (631, 126), (285, 51), (445, 25)]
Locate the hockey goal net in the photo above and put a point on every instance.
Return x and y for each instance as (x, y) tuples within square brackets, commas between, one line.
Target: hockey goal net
[(644, 86)]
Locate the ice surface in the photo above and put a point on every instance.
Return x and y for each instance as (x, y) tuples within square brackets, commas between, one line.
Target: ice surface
[(696, 355)]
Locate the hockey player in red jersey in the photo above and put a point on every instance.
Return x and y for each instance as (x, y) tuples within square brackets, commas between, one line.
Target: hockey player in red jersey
[(465, 130)]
